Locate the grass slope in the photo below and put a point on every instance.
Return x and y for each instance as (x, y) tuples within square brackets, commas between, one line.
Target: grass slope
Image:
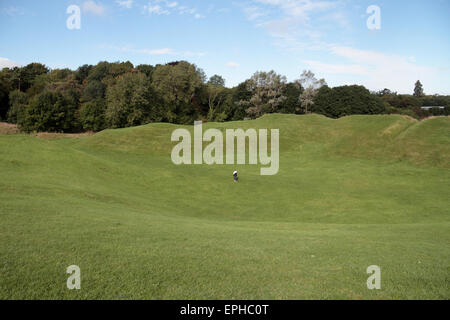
[(350, 193)]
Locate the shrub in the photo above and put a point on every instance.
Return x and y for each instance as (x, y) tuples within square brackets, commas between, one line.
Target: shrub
[(402, 101), (346, 100), (407, 112)]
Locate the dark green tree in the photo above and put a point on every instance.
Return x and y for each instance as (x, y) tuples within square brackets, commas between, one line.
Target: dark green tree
[(146, 69), (49, 111), (5, 88), (346, 100), (27, 74), (94, 89), (18, 101), (292, 93), (418, 89), (239, 93), (83, 72), (217, 80), (92, 115)]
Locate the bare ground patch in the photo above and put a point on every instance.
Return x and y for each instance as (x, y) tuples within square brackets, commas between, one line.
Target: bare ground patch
[(53, 136), (8, 128)]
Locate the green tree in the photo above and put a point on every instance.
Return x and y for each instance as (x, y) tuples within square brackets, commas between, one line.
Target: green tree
[(94, 89), (146, 69), (235, 109), (59, 75), (83, 72), (39, 85), (49, 111), (178, 84), (18, 101), (119, 68), (99, 71), (217, 96), (92, 115), (418, 89), (23, 77), (5, 88), (217, 80), (130, 102), (292, 92), (385, 92)]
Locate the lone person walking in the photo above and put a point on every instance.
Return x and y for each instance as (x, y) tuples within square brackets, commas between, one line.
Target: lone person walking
[(235, 176)]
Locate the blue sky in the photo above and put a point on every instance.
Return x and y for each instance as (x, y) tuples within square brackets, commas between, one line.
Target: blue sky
[(237, 38)]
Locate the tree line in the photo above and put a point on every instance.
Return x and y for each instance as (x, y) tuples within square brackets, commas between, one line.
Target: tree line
[(118, 95)]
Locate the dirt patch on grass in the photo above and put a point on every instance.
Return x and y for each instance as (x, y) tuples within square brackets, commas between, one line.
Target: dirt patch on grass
[(54, 136), (7, 128)]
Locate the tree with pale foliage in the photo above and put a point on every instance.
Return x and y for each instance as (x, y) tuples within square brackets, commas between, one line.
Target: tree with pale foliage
[(267, 93), (311, 86)]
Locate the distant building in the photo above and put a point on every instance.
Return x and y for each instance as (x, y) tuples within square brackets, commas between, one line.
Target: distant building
[(427, 108)]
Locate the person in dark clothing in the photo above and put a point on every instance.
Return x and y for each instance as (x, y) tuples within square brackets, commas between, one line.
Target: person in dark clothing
[(235, 176)]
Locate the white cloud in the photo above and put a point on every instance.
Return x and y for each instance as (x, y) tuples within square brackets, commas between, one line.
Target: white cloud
[(94, 8), (299, 8), (6, 63), (296, 24), (125, 3), (157, 9), (376, 70), (381, 63), (157, 52), (166, 7), (233, 64), (12, 11), (306, 26), (353, 69), (154, 52), (186, 10), (172, 4), (336, 18), (253, 13)]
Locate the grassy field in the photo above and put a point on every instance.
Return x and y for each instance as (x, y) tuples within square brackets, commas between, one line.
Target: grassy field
[(350, 193)]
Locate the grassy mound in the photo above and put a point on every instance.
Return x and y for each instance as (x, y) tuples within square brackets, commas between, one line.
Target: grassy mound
[(350, 193)]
